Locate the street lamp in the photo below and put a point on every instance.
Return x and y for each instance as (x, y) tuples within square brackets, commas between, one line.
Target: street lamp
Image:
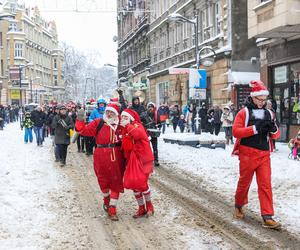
[(20, 76), (31, 94)]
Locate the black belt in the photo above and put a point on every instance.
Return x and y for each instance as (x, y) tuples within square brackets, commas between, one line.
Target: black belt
[(111, 145)]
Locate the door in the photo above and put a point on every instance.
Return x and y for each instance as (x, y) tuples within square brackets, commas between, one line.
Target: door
[(281, 97)]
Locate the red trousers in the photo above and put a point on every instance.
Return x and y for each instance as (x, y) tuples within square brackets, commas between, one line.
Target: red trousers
[(258, 162)]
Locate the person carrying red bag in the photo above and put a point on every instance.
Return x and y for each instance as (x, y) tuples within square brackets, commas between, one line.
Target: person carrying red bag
[(109, 162), (139, 161), (255, 127)]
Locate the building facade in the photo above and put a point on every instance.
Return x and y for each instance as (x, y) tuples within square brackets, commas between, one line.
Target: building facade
[(31, 62), (276, 26), (223, 26), (133, 48)]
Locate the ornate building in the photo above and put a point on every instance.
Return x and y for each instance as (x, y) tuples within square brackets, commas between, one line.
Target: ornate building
[(133, 47), (29, 53)]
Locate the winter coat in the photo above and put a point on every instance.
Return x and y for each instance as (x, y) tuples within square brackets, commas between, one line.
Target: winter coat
[(150, 121), (62, 126), (227, 119), (38, 118), (27, 123), (163, 113), (96, 114), (175, 116), (242, 130), (109, 162), (136, 139), (217, 116), (181, 123)]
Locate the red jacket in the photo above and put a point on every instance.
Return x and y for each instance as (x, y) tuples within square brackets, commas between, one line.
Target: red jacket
[(241, 130), (135, 139)]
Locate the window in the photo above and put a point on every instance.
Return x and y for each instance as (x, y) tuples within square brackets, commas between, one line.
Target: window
[(55, 64), (217, 19), (18, 50), (12, 27), (55, 80)]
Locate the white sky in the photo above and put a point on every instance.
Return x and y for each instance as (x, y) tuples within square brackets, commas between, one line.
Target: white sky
[(84, 31)]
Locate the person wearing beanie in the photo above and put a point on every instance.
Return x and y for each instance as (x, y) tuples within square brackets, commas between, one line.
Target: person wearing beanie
[(253, 127), (227, 120), (99, 111), (39, 119), (136, 146), (109, 163), (137, 106), (62, 123), (28, 125), (151, 122)]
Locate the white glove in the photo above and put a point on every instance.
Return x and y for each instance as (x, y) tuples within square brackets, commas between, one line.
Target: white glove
[(124, 122)]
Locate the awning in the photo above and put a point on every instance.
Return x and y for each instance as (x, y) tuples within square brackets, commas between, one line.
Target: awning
[(236, 78)]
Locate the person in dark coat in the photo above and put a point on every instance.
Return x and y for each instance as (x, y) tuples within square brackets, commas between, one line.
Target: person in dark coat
[(210, 121), (39, 119), (151, 122), (137, 106), (175, 114), (62, 124), (163, 115), (203, 116), (181, 123), (217, 119), (2, 117)]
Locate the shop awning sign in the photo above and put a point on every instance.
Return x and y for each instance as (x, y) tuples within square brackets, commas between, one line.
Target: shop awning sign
[(179, 71)]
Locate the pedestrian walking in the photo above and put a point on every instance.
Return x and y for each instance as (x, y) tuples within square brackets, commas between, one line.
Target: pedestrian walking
[(181, 123), (139, 161), (227, 121), (151, 123), (217, 119), (109, 162), (27, 124), (253, 127), (163, 115), (62, 124), (39, 119), (175, 116), (2, 117)]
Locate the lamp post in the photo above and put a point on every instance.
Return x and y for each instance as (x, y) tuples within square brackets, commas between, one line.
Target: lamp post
[(20, 76), (31, 93)]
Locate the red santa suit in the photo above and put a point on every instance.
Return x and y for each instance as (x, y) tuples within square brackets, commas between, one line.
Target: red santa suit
[(109, 163), (254, 128), (135, 139)]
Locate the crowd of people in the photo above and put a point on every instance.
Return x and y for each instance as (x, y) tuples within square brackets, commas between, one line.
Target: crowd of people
[(123, 139)]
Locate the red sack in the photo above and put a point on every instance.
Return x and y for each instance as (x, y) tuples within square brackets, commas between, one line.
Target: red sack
[(134, 176)]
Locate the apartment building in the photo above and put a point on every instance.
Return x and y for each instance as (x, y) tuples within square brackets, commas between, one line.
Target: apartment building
[(276, 26), (133, 47), (223, 26), (29, 50)]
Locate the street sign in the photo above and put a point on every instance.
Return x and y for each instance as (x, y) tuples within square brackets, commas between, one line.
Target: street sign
[(14, 73), (197, 78), (198, 94), (179, 71)]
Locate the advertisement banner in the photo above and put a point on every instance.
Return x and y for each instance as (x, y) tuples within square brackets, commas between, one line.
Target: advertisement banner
[(15, 94)]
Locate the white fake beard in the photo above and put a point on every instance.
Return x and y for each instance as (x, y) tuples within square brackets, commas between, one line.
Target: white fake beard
[(259, 113), (111, 121)]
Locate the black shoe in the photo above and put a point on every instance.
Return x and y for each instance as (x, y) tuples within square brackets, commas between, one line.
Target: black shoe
[(156, 164), (57, 160)]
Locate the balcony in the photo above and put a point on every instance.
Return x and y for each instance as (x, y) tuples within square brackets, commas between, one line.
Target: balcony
[(273, 19)]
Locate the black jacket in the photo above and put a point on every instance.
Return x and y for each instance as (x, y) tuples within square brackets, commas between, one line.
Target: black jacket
[(38, 118), (62, 133)]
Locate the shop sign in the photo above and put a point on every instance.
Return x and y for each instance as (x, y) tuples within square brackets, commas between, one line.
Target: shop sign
[(179, 71), (15, 94), (280, 74)]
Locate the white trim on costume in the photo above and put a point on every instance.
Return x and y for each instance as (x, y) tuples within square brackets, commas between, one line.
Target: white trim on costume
[(112, 109), (258, 93), (128, 115)]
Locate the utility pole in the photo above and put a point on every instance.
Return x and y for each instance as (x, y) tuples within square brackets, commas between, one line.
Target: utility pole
[(20, 76)]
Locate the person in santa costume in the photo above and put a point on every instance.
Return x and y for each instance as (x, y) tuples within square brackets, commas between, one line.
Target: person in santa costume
[(135, 140), (255, 127), (109, 163)]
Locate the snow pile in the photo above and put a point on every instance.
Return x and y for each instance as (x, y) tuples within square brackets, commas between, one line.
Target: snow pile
[(193, 137), (220, 171)]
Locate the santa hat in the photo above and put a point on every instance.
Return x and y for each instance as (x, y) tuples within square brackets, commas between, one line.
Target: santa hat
[(133, 116), (113, 107), (258, 88)]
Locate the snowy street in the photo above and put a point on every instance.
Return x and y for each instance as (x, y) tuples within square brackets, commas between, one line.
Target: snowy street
[(44, 206)]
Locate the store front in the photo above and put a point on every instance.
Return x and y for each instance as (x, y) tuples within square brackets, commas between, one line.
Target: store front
[(285, 91)]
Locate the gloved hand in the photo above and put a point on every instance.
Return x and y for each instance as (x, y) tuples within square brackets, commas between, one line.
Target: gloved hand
[(271, 127), (124, 122), (63, 123), (120, 92), (81, 115)]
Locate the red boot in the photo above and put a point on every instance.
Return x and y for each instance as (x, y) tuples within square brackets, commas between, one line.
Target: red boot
[(141, 212), (106, 201), (150, 208), (112, 213)]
